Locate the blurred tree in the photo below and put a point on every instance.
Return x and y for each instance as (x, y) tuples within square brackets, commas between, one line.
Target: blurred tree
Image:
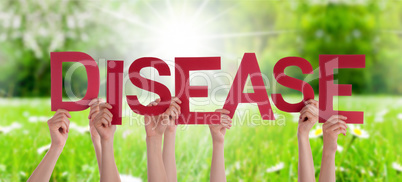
[(29, 31)]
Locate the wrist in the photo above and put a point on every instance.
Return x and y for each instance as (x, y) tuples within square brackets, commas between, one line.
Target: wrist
[(302, 136), (106, 141), (56, 148), (328, 151)]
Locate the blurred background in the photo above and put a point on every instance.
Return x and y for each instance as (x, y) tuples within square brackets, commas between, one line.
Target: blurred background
[(254, 150)]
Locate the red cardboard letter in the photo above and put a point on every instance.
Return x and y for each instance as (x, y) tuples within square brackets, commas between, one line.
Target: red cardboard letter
[(184, 90), (149, 85), (293, 83), (56, 65), (115, 89), (249, 66), (328, 89)]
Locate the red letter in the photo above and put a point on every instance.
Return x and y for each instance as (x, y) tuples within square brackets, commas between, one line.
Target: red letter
[(149, 85), (56, 63), (328, 89), (249, 66), (115, 89), (293, 83), (184, 90)]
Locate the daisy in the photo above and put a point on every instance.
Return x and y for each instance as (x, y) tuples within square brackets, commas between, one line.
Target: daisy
[(80, 129), (399, 116), (7, 129), (43, 149), (35, 119), (397, 166), (315, 133), (358, 132), (129, 178), (276, 168), (339, 148)]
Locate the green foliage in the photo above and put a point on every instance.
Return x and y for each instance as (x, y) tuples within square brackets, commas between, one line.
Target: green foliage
[(251, 145)]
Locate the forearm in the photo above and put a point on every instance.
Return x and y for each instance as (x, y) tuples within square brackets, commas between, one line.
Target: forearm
[(168, 155), (327, 173), (46, 166), (306, 170), (109, 169), (218, 163), (156, 169), (98, 152)]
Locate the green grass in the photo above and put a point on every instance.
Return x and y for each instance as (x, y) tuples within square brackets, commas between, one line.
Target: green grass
[(250, 147)]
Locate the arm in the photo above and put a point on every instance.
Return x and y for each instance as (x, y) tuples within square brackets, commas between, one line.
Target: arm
[(103, 124), (58, 127), (168, 155), (331, 129), (155, 127), (94, 110), (308, 117), (218, 135)]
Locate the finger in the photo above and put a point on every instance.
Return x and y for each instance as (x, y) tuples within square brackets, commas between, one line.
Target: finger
[(107, 116), (108, 113), (177, 100), (60, 111), (306, 116), (92, 112), (94, 102), (175, 105), (311, 101), (223, 111), (63, 127), (313, 110), (337, 126), (312, 113), (157, 100), (154, 103), (104, 122), (104, 106), (67, 122)]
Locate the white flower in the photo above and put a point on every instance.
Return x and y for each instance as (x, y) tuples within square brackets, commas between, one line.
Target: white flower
[(315, 133), (397, 166), (276, 168), (358, 132), (80, 129), (399, 116), (379, 117), (35, 119), (342, 169), (7, 129), (237, 165), (339, 148), (129, 178), (43, 149), (126, 133)]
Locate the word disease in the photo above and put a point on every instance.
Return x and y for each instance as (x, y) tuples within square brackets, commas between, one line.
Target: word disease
[(183, 65)]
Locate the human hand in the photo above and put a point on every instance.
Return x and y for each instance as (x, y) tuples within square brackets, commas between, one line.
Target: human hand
[(218, 131), (174, 112), (59, 127), (94, 110), (103, 122), (308, 117), (156, 125), (334, 126)]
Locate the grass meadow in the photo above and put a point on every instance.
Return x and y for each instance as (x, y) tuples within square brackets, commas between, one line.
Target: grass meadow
[(255, 150)]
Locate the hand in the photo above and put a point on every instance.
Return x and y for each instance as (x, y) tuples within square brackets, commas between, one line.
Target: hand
[(94, 110), (156, 125), (103, 122), (174, 113), (334, 126), (218, 130), (59, 127), (308, 117)]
